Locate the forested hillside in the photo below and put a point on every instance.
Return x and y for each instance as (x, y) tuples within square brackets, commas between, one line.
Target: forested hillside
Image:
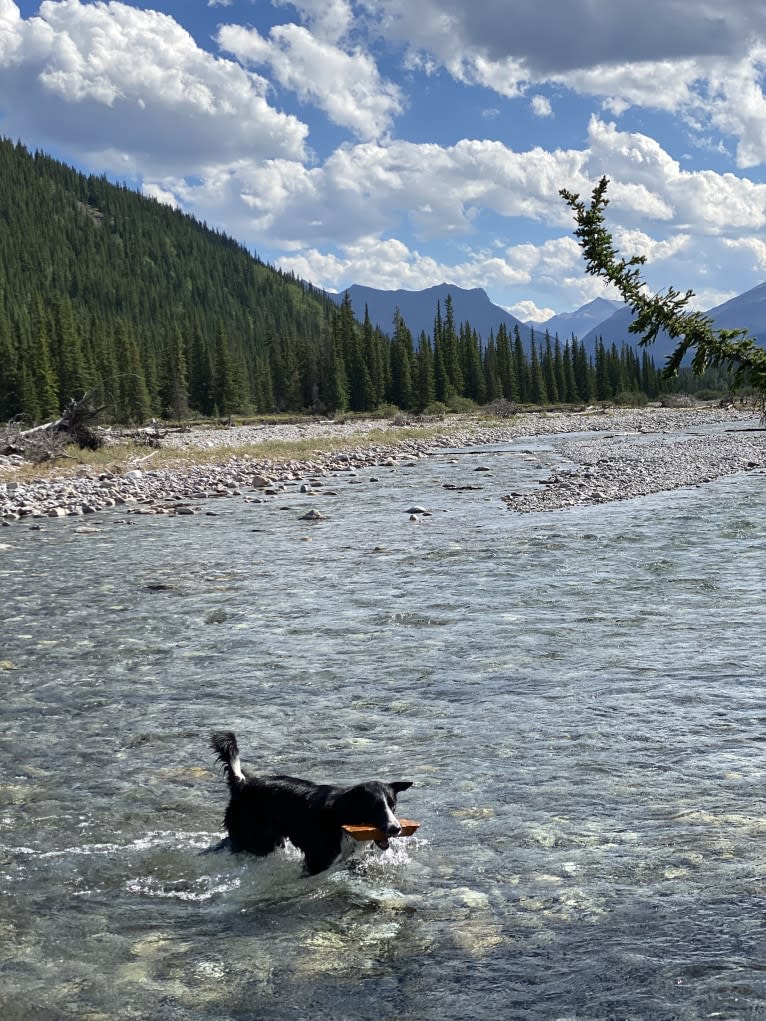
[(104, 290)]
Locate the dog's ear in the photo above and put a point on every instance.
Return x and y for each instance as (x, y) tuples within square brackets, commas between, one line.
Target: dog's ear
[(400, 785)]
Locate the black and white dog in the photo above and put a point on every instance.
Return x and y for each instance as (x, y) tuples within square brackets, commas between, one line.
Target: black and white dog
[(264, 811)]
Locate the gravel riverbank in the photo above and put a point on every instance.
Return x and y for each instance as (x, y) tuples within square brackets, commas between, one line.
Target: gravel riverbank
[(625, 453)]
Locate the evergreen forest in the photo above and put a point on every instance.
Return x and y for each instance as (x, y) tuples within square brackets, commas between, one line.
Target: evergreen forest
[(104, 290)]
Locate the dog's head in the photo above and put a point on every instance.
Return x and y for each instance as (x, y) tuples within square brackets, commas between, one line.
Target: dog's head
[(373, 804)]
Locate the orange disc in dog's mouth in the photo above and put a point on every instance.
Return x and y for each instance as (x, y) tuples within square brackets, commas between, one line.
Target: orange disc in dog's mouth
[(373, 833)]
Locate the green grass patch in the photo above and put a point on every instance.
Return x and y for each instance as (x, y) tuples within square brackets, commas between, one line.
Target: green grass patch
[(127, 456)]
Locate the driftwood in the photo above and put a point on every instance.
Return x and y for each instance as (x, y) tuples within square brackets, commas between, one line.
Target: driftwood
[(146, 436), (48, 441)]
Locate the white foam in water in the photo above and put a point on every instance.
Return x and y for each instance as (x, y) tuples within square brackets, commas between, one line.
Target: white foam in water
[(201, 889), (153, 839), (584, 737)]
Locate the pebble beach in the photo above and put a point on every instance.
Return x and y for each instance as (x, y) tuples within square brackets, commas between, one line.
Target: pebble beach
[(609, 454)]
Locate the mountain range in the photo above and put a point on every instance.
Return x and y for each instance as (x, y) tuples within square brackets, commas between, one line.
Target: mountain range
[(418, 309), (600, 318)]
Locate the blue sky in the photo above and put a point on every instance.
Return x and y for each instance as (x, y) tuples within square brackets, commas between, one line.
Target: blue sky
[(403, 143)]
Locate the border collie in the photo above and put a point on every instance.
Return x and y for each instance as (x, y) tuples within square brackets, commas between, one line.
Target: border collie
[(264, 811)]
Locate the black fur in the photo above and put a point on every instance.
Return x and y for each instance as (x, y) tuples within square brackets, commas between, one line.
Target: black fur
[(264, 811)]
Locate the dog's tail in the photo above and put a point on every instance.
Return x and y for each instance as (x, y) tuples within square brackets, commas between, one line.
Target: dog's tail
[(225, 744)]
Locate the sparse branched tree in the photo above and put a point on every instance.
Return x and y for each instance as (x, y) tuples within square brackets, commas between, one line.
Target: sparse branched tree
[(693, 331)]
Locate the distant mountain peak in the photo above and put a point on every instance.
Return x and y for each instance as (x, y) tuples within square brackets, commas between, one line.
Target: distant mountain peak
[(418, 308), (581, 321)]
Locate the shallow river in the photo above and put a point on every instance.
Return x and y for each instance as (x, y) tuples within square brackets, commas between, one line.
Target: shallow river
[(579, 697)]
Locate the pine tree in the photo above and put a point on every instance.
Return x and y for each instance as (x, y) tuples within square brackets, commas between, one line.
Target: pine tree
[(450, 345), (442, 383), (424, 372), (538, 392), (135, 402), (401, 392), (44, 379), (10, 400), (176, 386), (549, 371), (74, 375), (521, 384), (603, 384), (571, 393), (372, 350), (491, 373), (583, 372), (334, 393), (558, 371), (474, 383)]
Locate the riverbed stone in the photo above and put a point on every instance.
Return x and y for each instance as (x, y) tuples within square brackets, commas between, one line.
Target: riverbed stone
[(619, 459)]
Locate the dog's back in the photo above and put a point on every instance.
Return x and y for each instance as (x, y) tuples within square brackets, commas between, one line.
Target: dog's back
[(263, 811)]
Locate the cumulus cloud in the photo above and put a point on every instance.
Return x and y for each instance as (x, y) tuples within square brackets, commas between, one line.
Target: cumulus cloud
[(330, 20), (391, 264), (690, 57), (133, 91), (346, 86), (528, 312), (110, 78), (564, 35), (434, 193), (754, 248)]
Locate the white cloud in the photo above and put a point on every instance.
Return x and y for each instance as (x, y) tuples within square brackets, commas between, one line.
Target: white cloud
[(738, 107), (755, 248), (347, 86), (563, 35), (131, 90), (636, 242), (167, 198), (330, 20), (528, 311), (109, 77), (689, 57), (390, 264)]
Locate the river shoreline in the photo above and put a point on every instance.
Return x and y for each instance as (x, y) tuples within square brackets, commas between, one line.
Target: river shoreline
[(615, 454)]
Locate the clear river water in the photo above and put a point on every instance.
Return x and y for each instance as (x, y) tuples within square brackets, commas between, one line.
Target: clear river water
[(579, 697)]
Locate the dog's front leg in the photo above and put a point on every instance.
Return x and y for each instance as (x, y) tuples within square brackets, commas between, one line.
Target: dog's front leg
[(320, 858)]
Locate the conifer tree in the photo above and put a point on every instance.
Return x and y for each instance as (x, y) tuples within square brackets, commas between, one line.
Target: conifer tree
[(570, 392), (474, 383), (442, 383), (558, 371), (176, 388), (491, 373), (135, 402), (538, 392), (10, 399), (372, 348), (692, 331), (335, 391), (450, 346), (401, 392), (603, 386), (44, 379), (424, 362), (74, 375), (549, 371), (522, 385)]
